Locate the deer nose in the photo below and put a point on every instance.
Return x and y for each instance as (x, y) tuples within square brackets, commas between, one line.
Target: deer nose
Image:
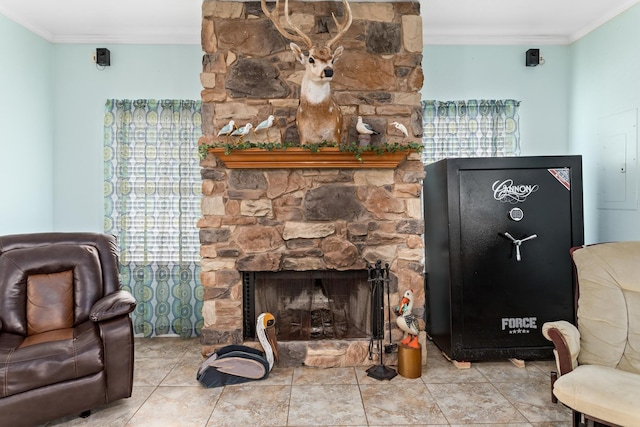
[(328, 72)]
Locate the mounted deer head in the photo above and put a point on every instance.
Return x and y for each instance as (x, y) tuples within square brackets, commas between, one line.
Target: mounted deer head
[(318, 117)]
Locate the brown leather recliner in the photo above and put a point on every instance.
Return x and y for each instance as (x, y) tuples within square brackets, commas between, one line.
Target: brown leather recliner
[(66, 339)]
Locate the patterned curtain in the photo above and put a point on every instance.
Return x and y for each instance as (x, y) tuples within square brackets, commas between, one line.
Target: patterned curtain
[(474, 128), (152, 190)]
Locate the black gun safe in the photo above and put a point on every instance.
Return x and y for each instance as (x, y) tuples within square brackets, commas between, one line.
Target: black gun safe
[(497, 238)]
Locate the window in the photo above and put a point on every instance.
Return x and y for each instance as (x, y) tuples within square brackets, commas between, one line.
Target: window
[(152, 204), (473, 128)]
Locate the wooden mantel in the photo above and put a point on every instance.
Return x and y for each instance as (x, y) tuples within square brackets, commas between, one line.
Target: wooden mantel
[(301, 158)]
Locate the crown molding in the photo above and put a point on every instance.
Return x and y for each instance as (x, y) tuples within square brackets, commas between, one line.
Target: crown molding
[(178, 37), (492, 39), (26, 23), (601, 20)]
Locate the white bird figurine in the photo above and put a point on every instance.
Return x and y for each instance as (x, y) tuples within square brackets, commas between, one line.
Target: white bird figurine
[(266, 124), (227, 129), (407, 321), (242, 131), (401, 128), (365, 129), (236, 364)]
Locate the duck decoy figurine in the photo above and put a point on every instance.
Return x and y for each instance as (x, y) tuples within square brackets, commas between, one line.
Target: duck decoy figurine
[(365, 129), (407, 321), (266, 124), (236, 364), (227, 129)]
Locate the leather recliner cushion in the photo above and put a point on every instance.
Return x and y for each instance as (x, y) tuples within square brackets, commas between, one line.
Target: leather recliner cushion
[(49, 302), (48, 358), (19, 265)]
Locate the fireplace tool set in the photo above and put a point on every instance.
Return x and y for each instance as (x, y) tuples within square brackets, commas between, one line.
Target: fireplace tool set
[(378, 277)]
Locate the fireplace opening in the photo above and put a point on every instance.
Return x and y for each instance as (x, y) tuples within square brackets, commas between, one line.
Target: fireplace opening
[(309, 305)]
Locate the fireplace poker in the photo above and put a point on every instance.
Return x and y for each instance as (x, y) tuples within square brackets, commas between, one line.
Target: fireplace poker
[(391, 347)]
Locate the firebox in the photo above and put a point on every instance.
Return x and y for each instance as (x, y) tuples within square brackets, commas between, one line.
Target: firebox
[(309, 305)]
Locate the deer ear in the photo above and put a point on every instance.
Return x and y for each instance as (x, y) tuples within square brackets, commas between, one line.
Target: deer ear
[(337, 53), (298, 52)]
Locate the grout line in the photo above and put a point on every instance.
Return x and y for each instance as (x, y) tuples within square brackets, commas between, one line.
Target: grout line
[(141, 404), (215, 405), (289, 403)]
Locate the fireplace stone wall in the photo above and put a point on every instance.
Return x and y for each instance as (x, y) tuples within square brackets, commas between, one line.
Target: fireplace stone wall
[(249, 71), (309, 219)]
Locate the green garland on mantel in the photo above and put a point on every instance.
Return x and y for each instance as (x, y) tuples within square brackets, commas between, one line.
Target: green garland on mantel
[(351, 147)]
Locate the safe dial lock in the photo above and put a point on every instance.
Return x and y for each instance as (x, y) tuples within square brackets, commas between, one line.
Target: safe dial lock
[(516, 214)]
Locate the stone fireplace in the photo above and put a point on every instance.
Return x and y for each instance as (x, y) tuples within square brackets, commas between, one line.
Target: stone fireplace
[(308, 220)]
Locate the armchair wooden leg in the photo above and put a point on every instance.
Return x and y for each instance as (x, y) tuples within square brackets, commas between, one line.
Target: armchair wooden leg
[(554, 377)]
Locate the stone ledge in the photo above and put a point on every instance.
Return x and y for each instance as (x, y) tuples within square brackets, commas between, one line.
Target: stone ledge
[(329, 353)]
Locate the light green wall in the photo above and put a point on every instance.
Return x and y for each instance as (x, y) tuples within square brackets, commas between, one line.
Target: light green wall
[(81, 89), (51, 117), (499, 72), (605, 80), (51, 172), (26, 139)]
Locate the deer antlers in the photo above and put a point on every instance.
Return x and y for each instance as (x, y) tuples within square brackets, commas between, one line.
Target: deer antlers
[(298, 35), (318, 117), (344, 27)]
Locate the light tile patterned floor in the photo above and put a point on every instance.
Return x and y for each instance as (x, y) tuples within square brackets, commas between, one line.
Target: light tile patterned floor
[(490, 394)]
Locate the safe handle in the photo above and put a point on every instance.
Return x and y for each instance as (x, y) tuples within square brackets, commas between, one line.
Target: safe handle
[(518, 242)]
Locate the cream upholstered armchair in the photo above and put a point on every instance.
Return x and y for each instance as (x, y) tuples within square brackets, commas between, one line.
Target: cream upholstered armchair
[(599, 360)]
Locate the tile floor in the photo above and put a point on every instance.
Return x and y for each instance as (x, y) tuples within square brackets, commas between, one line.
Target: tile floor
[(490, 394)]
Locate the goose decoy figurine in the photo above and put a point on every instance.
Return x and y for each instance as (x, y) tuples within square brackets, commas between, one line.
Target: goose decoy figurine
[(266, 124), (407, 321), (242, 131), (236, 364), (227, 129), (365, 129), (401, 128)]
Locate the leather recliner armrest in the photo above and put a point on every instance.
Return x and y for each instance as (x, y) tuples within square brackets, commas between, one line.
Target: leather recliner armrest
[(566, 340), (113, 305)]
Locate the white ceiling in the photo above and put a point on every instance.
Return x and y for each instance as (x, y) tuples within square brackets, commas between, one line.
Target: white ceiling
[(515, 21), (444, 21)]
